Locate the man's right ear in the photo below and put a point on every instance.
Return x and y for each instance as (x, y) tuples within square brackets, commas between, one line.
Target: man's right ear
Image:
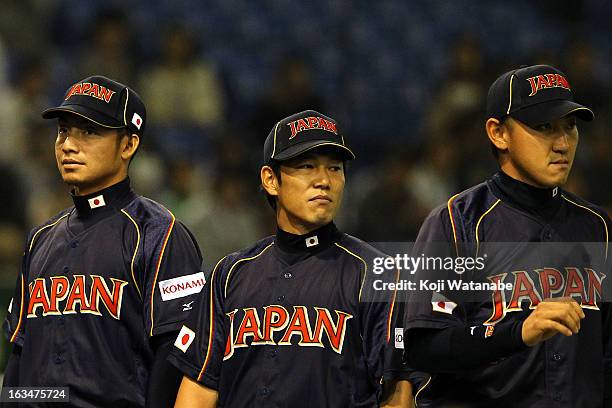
[(129, 145), (269, 180), (497, 133)]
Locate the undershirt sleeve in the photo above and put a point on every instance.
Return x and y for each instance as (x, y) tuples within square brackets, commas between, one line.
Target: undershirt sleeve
[(456, 348)]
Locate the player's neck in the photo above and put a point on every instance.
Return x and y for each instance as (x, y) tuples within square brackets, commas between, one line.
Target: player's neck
[(312, 241), (541, 201), (116, 196)]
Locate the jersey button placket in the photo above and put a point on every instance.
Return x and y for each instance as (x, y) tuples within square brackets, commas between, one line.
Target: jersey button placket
[(287, 275), (547, 234)]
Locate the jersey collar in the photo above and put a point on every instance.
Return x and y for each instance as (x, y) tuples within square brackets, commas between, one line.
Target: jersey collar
[(312, 242), (539, 201), (111, 198)]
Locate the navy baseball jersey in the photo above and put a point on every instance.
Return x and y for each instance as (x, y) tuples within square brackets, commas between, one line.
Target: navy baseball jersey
[(560, 372), (288, 323), (98, 281)]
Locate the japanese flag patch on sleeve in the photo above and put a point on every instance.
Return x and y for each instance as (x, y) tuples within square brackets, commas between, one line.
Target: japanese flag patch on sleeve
[(440, 303), (184, 339)]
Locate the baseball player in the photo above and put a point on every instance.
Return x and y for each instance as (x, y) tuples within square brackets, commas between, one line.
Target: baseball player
[(105, 284), (290, 321), (543, 339)]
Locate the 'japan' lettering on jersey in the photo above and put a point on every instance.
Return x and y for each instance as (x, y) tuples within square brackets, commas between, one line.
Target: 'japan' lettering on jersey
[(545, 246), (275, 330), (97, 282)]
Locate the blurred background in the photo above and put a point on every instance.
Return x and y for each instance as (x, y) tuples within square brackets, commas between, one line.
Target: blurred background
[(406, 80)]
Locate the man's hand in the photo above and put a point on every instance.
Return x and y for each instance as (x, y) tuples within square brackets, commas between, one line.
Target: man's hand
[(552, 316)]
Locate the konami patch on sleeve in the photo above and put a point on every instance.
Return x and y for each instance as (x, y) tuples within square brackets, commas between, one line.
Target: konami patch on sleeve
[(184, 339), (182, 286)]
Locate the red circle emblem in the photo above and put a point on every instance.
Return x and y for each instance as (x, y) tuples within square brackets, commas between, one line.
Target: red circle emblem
[(96, 201), (185, 339), (441, 305)]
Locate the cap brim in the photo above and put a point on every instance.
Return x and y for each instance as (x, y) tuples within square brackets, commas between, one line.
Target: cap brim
[(548, 111), (84, 112), (304, 147)]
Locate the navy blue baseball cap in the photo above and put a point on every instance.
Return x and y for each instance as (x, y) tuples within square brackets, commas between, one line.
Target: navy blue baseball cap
[(301, 132), (105, 102), (534, 95)]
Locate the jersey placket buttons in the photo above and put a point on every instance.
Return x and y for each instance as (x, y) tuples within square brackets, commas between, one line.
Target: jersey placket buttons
[(547, 234), (285, 275)]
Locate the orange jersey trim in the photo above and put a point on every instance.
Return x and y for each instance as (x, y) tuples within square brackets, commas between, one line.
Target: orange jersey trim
[(135, 251), (14, 336), (392, 308), (229, 274), (480, 220), (600, 217), (211, 333), (159, 261), (365, 267), (450, 215)]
